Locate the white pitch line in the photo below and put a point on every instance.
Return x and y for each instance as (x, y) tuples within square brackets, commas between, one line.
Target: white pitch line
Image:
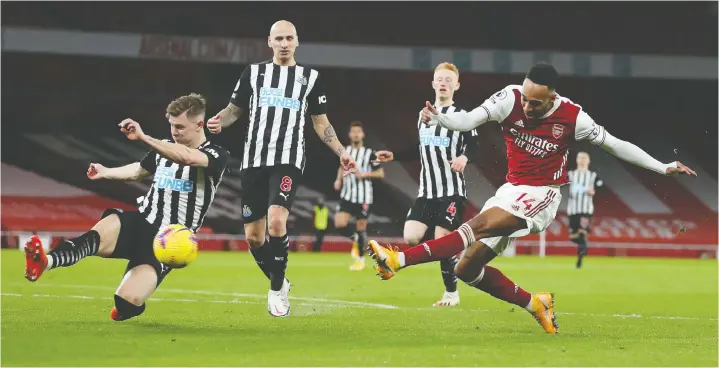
[(182, 300), (325, 302)]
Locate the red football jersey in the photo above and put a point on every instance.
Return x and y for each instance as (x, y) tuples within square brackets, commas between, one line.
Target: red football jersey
[(537, 149)]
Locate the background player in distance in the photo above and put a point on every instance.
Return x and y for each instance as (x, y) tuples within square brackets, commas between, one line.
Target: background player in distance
[(129, 235), (442, 199), (580, 207), (538, 126), (357, 193), (277, 94)]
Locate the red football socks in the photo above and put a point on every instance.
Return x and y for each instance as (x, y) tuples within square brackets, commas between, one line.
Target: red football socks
[(438, 249), (494, 283)]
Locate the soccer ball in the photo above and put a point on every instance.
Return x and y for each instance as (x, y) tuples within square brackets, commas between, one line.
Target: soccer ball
[(175, 245)]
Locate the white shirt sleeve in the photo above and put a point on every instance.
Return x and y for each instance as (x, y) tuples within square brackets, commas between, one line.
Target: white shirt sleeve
[(587, 129), (495, 108), (500, 105)]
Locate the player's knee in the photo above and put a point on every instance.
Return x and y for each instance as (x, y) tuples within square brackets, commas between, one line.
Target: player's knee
[(464, 272), (129, 297), (412, 240), (277, 227), (574, 238), (128, 306), (255, 240), (340, 223)]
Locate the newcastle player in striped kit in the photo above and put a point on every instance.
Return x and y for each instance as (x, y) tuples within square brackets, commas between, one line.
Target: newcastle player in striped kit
[(277, 94), (580, 208), (356, 193), (186, 176), (442, 196)]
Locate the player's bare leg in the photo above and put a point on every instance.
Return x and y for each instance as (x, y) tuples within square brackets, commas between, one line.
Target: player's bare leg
[(414, 232), (361, 241), (490, 223), (450, 297), (136, 287), (99, 241), (278, 303)]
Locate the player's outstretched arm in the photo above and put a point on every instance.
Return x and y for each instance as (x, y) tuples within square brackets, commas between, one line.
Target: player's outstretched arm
[(459, 120), (133, 171), (597, 135), (240, 97), (327, 133), (173, 151), (495, 108)]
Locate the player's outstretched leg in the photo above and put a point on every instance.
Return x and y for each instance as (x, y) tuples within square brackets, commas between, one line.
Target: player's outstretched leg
[(473, 270), (490, 223), (66, 254)]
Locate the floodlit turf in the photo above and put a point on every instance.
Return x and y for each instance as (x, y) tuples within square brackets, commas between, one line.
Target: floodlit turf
[(613, 312)]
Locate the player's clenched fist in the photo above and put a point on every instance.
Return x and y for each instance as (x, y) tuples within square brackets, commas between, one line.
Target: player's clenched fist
[(459, 163), (384, 156), (131, 129), (348, 163), (96, 171), (214, 125)]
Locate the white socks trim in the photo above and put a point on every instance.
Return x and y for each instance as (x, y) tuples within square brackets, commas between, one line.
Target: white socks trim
[(467, 234)]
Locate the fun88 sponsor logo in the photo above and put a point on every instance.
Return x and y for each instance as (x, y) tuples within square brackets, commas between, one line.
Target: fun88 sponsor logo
[(165, 179), (433, 140), (275, 97)]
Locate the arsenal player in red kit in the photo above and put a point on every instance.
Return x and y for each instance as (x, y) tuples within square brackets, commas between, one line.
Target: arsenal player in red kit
[(538, 127)]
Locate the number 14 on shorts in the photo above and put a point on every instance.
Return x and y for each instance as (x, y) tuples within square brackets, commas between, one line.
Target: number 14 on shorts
[(528, 202)]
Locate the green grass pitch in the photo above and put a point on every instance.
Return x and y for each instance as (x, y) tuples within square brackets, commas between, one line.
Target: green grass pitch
[(613, 312)]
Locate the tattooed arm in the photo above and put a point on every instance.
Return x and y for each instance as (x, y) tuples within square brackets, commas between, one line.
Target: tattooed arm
[(327, 133)]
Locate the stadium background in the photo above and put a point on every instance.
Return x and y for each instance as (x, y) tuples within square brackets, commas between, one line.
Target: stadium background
[(71, 71)]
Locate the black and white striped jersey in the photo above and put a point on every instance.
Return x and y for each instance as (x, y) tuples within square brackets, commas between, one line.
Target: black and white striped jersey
[(438, 146), (359, 190), (182, 194), (278, 99), (579, 201)]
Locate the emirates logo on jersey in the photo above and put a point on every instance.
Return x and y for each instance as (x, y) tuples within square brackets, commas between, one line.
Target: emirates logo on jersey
[(534, 145), (557, 131)]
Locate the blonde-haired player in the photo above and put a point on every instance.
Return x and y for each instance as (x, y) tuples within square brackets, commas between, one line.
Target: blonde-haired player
[(442, 196), (183, 169)]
